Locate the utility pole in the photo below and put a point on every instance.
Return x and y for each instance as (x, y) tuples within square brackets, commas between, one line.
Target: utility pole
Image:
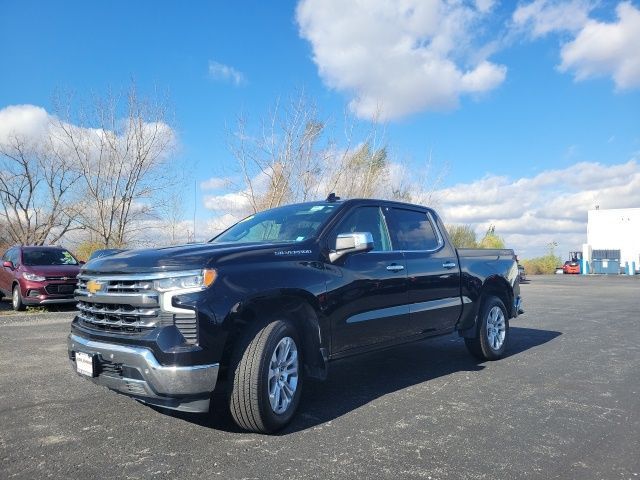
[(195, 206)]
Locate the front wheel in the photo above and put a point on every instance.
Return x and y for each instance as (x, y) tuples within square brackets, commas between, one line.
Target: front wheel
[(16, 299), (491, 339), (266, 376)]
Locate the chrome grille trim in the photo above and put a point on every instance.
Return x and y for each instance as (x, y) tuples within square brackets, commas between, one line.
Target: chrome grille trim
[(135, 299), (114, 325), (104, 310), (128, 304)]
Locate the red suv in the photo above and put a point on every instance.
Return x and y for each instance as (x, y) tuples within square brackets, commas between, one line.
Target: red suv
[(38, 276)]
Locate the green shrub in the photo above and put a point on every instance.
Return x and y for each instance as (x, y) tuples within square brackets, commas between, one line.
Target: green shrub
[(542, 265), (462, 236), (85, 249), (491, 239)]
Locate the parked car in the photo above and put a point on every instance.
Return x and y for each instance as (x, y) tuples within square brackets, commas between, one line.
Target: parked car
[(522, 274), (38, 276), (571, 267), (278, 296)]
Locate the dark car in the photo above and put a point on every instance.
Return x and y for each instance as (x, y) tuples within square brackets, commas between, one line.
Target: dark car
[(277, 297), (38, 275), (522, 274)]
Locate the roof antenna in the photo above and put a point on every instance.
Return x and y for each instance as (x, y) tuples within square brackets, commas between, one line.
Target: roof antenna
[(332, 197)]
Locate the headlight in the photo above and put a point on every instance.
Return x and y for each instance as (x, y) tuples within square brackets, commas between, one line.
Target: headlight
[(191, 280), (33, 277)]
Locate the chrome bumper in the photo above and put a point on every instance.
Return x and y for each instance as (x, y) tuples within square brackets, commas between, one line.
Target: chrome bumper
[(178, 388)]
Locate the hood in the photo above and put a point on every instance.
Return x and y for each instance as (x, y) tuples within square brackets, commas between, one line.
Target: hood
[(182, 257), (53, 270)]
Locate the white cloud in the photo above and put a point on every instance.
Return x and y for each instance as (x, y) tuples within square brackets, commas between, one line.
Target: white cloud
[(594, 48), (226, 73), (235, 202), (215, 183), (602, 48), (531, 212), (24, 121), (542, 17), (398, 58), (36, 125)]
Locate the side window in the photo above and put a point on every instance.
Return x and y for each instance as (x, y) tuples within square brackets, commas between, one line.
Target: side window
[(15, 256), (11, 256), (364, 219), (412, 230)]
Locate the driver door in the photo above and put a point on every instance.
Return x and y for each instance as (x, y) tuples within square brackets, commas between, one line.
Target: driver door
[(370, 293), (6, 274)]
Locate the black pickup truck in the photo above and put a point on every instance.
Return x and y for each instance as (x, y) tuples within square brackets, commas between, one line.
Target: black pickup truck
[(278, 296)]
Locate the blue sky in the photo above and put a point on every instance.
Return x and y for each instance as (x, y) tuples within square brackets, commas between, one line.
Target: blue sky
[(538, 106)]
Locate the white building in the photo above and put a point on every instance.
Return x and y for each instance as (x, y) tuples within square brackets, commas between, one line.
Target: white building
[(614, 229)]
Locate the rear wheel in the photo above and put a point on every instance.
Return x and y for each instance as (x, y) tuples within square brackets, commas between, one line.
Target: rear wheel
[(266, 375), (16, 299), (491, 339)]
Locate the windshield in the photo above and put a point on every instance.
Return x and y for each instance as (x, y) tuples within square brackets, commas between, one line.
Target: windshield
[(293, 223), (47, 256)]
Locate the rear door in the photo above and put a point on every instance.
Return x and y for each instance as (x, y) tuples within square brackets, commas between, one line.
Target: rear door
[(433, 273), (371, 299)]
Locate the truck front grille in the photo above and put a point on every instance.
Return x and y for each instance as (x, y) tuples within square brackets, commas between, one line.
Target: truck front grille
[(128, 305), (118, 317)]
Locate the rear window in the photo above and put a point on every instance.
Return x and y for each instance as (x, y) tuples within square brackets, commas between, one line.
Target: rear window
[(47, 256), (412, 230)]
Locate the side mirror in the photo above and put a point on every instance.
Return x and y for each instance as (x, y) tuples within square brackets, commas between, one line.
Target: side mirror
[(350, 243), (8, 265), (81, 262)]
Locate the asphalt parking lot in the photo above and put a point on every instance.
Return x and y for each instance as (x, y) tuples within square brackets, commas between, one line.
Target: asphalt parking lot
[(565, 403)]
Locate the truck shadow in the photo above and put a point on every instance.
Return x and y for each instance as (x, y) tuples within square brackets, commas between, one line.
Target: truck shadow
[(356, 381)]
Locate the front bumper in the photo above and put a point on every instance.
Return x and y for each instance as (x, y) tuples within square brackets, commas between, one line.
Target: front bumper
[(135, 372)]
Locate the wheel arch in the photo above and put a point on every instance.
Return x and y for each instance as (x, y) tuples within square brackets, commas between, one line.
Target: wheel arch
[(494, 286), (297, 306), (497, 286)]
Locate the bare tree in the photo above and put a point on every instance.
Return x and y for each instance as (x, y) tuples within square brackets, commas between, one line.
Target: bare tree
[(121, 148), (361, 173), (294, 157), (282, 162), (172, 221), (36, 186)]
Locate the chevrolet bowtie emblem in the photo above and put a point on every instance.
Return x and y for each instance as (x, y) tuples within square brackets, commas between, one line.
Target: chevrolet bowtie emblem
[(94, 286)]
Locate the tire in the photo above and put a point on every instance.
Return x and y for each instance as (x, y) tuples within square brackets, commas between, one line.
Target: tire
[(260, 398), (490, 342), (16, 299)]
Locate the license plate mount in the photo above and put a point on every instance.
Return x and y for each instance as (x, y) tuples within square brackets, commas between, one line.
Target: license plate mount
[(86, 364)]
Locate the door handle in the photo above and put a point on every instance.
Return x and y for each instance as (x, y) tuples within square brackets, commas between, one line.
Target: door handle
[(448, 265), (395, 268)]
